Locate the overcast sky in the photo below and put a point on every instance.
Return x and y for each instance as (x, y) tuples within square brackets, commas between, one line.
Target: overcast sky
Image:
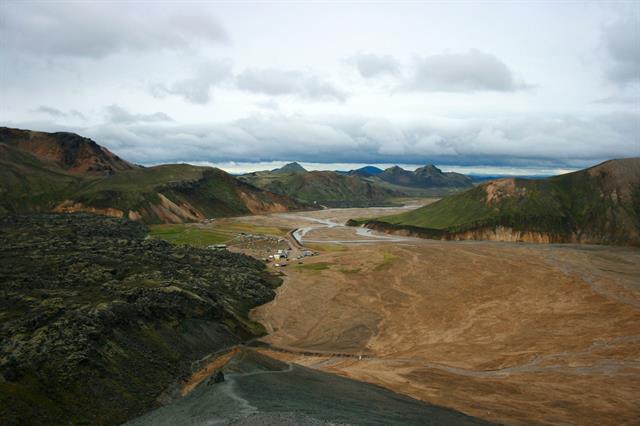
[(535, 85)]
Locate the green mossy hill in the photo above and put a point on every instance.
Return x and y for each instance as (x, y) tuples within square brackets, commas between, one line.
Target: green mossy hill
[(97, 321), (323, 187), (41, 172), (596, 205), (290, 168), (428, 176)]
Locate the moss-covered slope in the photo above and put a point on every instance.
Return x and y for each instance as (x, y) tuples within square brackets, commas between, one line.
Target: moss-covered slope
[(59, 172), (322, 187), (96, 322), (598, 205)]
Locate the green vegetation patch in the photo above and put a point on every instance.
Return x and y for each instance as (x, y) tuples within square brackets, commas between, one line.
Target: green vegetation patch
[(387, 259), (188, 234), (348, 271), (328, 248), (453, 211), (237, 227), (316, 267)]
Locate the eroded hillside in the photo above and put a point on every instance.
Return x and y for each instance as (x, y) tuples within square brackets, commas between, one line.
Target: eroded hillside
[(64, 172)]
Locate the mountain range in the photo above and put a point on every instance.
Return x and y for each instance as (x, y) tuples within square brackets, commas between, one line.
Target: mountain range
[(64, 172), (320, 187), (366, 186), (600, 205)]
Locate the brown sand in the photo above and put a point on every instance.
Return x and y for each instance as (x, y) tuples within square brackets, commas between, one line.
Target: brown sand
[(514, 333)]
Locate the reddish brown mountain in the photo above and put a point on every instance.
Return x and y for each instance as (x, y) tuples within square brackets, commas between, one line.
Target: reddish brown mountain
[(65, 172), (73, 153)]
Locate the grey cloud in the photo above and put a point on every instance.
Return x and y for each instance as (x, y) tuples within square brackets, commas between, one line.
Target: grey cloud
[(50, 110), (622, 41), (97, 29), (620, 100), (370, 65), (563, 141), (55, 112), (277, 82), (117, 114), (463, 72), (196, 89)]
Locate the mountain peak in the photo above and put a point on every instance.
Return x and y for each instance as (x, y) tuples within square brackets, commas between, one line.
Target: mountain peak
[(429, 169), (395, 169), (71, 152), (290, 168), (366, 171), (428, 176)]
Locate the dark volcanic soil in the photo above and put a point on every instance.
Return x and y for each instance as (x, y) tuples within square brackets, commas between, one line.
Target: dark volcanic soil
[(259, 390), (96, 321)]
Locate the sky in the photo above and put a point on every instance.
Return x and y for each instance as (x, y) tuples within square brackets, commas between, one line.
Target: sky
[(526, 87)]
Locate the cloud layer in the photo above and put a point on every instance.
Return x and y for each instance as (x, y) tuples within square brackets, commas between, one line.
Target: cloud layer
[(278, 82), (411, 83), (95, 30), (116, 114), (622, 41), (196, 89), (554, 141), (463, 72), (370, 65)]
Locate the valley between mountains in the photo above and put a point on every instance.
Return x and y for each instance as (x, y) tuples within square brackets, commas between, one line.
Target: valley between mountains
[(177, 294), (505, 332)]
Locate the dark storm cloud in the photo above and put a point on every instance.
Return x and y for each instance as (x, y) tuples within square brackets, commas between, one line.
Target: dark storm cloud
[(276, 82), (463, 72), (97, 29), (561, 141), (622, 41), (370, 65), (196, 89), (117, 114)]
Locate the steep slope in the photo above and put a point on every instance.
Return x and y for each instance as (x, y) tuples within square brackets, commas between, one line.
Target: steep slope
[(55, 172), (425, 177), (322, 187), (279, 393), (71, 152), (30, 184), (98, 322), (175, 193), (597, 205)]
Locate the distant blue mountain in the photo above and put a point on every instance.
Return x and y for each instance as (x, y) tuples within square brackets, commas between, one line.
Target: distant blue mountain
[(366, 171)]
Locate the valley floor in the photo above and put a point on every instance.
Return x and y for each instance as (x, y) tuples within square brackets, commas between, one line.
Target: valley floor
[(512, 333)]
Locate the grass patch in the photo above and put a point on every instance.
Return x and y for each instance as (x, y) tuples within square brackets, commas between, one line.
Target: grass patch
[(348, 271), (449, 212), (326, 247), (187, 234), (316, 267), (387, 260), (237, 227)]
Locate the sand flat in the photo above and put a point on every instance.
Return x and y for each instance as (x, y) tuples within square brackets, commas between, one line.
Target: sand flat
[(514, 333)]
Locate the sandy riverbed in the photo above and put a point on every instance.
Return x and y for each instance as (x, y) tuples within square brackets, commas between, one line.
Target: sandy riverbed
[(514, 333)]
